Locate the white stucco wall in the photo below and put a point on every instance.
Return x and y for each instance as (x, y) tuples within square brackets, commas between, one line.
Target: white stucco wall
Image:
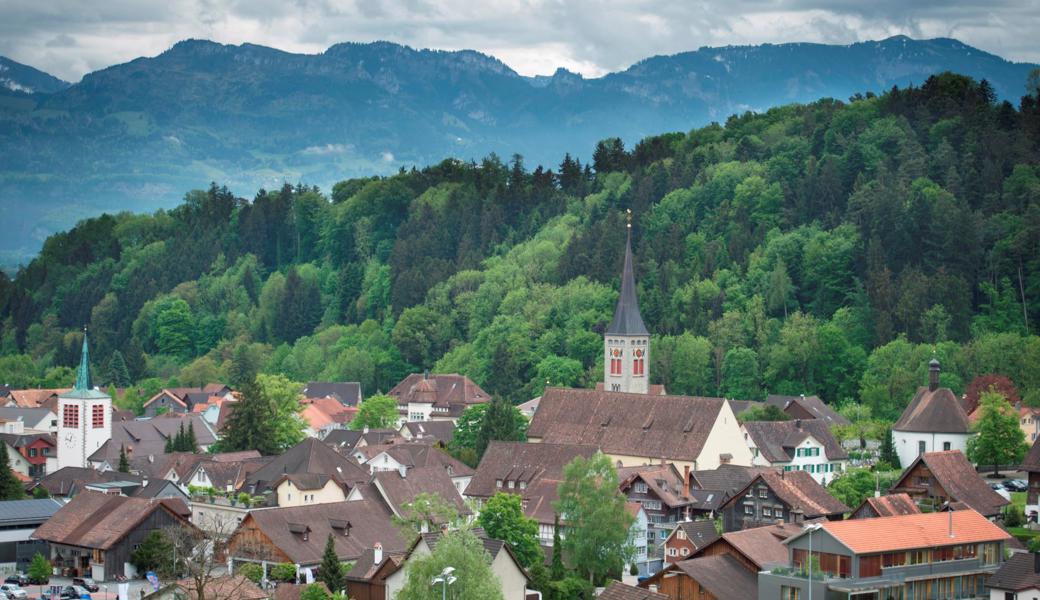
[(724, 438), (906, 443), (290, 495), (76, 444), (627, 381), (1030, 594)]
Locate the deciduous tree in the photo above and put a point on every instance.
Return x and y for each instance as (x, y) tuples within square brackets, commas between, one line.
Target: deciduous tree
[(503, 519), (998, 440)]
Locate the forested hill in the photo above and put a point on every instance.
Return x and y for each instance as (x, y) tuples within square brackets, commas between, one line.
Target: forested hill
[(134, 136), (828, 248)]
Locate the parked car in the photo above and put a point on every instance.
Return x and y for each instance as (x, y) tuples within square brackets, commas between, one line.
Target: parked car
[(86, 582), (13, 592), (18, 579), (75, 592), (1015, 485)]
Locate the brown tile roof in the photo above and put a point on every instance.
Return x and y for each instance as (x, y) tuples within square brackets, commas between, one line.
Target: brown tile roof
[(777, 440), (292, 591), (1020, 572), (671, 427), (958, 477), (346, 393), (621, 591), (451, 391), (365, 568), (722, 575), (95, 520), (34, 398), (890, 505), (369, 522), (416, 454), (439, 431), (149, 437), (398, 491), (799, 491), (538, 466), (936, 411), (727, 478), (761, 545), (309, 456), (235, 587), (811, 405), (905, 532), (346, 440), (68, 481)]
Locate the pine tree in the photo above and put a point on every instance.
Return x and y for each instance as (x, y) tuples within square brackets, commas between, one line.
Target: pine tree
[(10, 487), (556, 570), (118, 373), (180, 442), (190, 441), (887, 451), (169, 446), (502, 422), (250, 424), (243, 367), (124, 463), (331, 570)]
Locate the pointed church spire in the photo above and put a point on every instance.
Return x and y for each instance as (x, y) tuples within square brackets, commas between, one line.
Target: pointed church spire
[(83, 374), (627, 320)]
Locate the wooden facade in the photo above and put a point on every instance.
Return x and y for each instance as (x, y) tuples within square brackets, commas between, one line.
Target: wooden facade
[(250, 544), (921, 485), (757, 507), (680, 586), (722, 547)]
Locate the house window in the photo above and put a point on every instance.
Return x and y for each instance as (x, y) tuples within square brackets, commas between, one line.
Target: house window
[(946, 445), (637, 367), (749, 509), (652, 504), (498, 483), (767, 512), (763, 493), (680, 534), (615, 366), (685, 551), (98, 416), (70, 416), (921, 449), (640, 487), (778, 513), (32, 452), (523, 485), (790, 593), (46, 451), (510, 484)]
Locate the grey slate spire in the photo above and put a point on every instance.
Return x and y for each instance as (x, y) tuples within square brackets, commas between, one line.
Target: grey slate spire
[(627, 320)]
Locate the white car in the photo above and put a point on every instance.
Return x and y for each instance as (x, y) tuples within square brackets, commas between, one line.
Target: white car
[(13, 592)]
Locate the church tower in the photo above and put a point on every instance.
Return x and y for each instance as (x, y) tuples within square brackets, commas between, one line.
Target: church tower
[(627, 342), (84, 417)]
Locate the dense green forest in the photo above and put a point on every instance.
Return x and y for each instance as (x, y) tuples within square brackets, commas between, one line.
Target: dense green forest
[(830, 248)]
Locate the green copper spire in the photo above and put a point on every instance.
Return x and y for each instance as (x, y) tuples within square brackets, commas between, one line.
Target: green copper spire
[(83, 375)]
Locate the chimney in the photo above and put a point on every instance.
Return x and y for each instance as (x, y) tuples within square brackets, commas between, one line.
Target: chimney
[(950, 510), (365, 430), (653, 588), (377, 554), (933, 375), (797, 423), (686, 481), (1036, 562)]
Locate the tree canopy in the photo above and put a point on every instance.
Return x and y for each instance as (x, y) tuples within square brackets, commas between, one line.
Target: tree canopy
[(465, 553), (998, 440), (376, 412), (502, 517)]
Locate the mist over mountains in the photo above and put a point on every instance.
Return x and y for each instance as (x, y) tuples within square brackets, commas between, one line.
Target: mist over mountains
[(137, 136)]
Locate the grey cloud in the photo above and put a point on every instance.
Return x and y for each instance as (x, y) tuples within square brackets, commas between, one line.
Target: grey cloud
[(591, 36)]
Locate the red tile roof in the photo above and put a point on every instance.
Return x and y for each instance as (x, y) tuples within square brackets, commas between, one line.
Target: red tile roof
[(889, 505), (906, 532)]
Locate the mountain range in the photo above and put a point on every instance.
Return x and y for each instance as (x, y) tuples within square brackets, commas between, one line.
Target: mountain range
[(137, 136)]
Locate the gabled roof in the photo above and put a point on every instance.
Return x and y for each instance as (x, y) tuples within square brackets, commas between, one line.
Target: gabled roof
[(225, 587), (448, 391), (398, 491), (148, 437), (727, 478), (890, 505), (365, 567), (958, 477), (812, 405), (760, 545), (665, 481), (68, 481), (30, 513), (439, 431), (347, 393), (34, 398), (537, 467), (28, 416), (669, 427), (776, 440), (722, 575), (99, 521), (412, 454), (934, 411), (799, 491), (21, 440), (369, 522), (621, 591), (1020, 572), (1031, 462), (627, 320), (698, 533), (345, 440), (309, 456), (906, 532)]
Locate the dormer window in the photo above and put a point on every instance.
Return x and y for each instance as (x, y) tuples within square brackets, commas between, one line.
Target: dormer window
[(523, 485), (511, 483), (498, 483)]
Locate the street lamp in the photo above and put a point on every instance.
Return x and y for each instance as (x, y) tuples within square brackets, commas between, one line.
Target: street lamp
[(811, 528), (445, 579)]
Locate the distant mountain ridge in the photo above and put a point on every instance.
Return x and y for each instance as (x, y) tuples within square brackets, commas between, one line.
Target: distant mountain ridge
[(138, 135), (19, 79)]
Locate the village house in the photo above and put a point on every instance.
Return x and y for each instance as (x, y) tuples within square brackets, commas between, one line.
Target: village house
[(429, 432), (640, 429), (644, 563), (1031, 465), (930, 555), (346, 441), (806, 408), (425, 397), (33, 420), (401, 457), (323, 415), (297, 534), (789, 497), (797, 445), (720, 577), (149, 438), (220, 587), (94, 534), (622, 591), (939, 478), (532, 471), (664, 495), (687, 538), (301, 489), (183, 400), (1016, 579), (398, 488), (890, 505), (934, 421), (311, 456), (31, 454), (225, 471), (34, 398), (69, 481)]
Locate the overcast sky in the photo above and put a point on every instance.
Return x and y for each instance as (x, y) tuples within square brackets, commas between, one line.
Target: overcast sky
[(69, 38)]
